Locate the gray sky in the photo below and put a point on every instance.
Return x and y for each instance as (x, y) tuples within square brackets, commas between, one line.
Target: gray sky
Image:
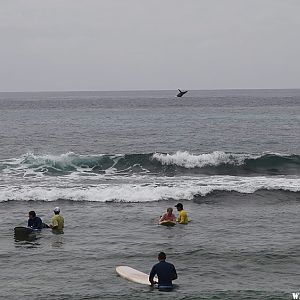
[(49, 45)]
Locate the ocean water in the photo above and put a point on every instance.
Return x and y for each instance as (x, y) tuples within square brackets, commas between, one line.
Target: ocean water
[(114, 161)]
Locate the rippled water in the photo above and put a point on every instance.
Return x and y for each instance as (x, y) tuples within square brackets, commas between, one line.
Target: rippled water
[(114, 162), (231, 248)]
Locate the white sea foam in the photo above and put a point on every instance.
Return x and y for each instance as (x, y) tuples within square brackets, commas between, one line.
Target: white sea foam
[(187, 160), (147, 189)]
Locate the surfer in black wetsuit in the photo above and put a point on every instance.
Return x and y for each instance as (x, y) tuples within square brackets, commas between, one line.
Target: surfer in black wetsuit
[(165, 272), (33, 221), (181, 93)]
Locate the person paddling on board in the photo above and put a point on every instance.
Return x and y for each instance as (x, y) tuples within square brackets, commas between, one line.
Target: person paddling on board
[(168, 216), (58, 221), (182, 217), (34, 222), (165, 272)]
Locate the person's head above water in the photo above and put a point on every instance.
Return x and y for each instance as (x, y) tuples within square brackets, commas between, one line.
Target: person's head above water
[(179, 206), (161, 256), (56, 210), (169, 210), (31, 214)]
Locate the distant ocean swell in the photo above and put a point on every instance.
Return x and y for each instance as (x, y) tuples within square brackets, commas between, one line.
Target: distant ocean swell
[(176, 164)]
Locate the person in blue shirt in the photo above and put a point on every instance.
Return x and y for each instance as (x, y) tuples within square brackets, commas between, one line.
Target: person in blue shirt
[(165, 272), (33, 221)]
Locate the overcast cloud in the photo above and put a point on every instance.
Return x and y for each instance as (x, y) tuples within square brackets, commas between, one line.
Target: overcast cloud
[(156, 44)]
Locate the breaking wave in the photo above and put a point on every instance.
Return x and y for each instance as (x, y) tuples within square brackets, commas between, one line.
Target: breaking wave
[(144, 189), (144, 177), (179, 163)]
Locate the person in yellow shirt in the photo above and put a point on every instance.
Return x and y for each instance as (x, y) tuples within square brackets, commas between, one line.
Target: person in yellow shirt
[(182, 217), (57, 220)]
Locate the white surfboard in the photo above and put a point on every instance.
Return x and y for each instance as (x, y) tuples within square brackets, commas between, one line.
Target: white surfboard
[(167, 223), (133, 275)]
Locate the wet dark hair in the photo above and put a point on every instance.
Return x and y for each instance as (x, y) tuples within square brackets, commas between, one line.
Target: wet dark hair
[(162, 255), (179, 205), (32, 213)]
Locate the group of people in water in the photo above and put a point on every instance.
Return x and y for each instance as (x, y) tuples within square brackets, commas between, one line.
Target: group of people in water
[(169, 216), (166, 271), (35, 222)]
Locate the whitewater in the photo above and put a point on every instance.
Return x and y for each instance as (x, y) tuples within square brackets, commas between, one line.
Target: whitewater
[(139, 178)]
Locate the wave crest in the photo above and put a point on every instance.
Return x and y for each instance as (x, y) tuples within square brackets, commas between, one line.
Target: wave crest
[(162, 164), (187, 160)]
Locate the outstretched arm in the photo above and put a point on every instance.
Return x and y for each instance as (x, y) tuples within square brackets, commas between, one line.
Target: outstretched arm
[(162, 218), (54, 224), (151, 276)]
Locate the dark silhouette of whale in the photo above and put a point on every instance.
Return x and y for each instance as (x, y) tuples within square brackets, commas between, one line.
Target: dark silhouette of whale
[(181, 93)]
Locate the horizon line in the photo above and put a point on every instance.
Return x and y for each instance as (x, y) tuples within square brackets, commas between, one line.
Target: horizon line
[(147, 90)]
